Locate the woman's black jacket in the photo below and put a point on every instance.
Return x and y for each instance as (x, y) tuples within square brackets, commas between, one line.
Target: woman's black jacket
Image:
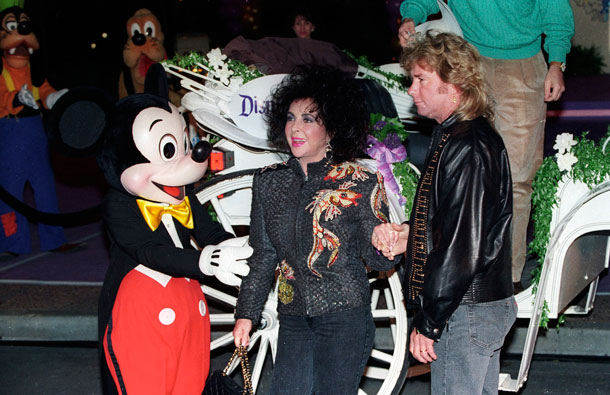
[(317, 229)]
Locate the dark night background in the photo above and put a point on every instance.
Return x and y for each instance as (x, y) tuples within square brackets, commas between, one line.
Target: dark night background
[(66, 30)]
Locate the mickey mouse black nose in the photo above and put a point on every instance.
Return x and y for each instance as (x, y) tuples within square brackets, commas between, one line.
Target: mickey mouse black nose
[(201, 151), (138, 39)]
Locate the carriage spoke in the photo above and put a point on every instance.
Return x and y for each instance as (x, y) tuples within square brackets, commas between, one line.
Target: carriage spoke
[(381, 356), (210, 292), (253, 339), (222, 216), (388, 298), (384, 313), (373, 372), (222, 341), (273, 344), (222, 319), (375, 298), (260, 361)]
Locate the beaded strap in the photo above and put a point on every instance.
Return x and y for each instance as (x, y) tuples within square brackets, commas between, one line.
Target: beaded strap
[(242, 353)]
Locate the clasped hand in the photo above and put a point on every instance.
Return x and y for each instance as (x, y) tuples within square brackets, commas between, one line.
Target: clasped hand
[(227, 260), (390, 239)]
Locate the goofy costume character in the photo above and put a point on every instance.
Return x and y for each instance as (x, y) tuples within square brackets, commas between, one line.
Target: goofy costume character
[(24, 156)]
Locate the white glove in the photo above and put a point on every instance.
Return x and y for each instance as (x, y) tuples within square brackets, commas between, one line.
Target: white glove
[(53, 97), (226, 260), (27, 98)]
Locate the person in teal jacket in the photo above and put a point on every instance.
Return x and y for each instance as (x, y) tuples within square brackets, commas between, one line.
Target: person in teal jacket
[(510, 36)]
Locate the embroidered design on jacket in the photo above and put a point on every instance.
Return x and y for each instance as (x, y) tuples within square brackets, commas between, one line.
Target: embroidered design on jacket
[(343, 170), (418, 236), (285, 291), (271, 166), (379, 198), (330, 201)]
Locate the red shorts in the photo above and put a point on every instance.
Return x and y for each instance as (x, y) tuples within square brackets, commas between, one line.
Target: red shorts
[(158, 339)]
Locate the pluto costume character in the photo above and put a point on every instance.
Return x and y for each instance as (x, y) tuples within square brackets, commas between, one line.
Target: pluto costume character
[(153, 317), (143, 48), (24, 156)]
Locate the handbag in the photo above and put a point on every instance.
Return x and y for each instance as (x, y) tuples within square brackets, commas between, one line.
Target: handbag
[(220, 383)]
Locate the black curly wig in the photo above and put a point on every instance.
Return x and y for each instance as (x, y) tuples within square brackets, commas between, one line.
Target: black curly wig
[(338, 100)]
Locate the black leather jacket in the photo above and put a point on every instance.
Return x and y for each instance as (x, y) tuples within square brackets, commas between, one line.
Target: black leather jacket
[(468, 225), (317, 229)]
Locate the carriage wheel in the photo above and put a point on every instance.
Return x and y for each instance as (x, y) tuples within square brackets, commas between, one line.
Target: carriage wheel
[(230, 196)]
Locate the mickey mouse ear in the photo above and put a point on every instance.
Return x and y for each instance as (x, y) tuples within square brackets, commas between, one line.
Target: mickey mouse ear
[(156, 81), (78, 120)]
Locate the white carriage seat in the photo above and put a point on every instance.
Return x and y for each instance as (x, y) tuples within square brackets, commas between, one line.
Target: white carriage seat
[(576, 252)]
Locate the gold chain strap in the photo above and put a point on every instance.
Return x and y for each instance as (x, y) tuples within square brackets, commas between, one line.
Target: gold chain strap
[(245, 368)]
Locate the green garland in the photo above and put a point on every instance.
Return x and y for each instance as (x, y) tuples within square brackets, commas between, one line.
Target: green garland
[(592, 167), (190, 60), (407, 178), (395, 81)]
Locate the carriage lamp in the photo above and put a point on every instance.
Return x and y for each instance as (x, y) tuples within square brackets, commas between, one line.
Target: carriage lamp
[(221, 160)]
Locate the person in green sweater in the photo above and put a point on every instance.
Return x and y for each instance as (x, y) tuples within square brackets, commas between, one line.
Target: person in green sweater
[(510, 35)]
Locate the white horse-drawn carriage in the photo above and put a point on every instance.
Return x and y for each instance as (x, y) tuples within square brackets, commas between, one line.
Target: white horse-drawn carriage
[(577, 251), (232, 112)]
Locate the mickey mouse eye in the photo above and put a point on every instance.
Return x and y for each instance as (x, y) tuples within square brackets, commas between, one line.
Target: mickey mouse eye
[(134, 29), (168, 147), (149, 29)]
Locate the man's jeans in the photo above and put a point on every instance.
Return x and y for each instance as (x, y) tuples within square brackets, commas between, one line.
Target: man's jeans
[(324, 354), (469, 349)]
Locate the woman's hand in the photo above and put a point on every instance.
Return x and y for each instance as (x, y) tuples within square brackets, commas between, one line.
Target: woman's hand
[(421, 347), (390, 239), (241, 332), (406, 32)]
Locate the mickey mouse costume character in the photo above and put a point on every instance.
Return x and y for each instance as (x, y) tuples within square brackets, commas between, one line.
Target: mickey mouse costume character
[(153, 317), (24, 156)]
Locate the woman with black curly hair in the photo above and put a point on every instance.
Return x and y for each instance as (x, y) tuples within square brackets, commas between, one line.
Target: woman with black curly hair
[(313, 217)]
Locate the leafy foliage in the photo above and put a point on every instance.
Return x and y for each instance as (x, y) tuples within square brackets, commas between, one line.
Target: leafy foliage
[(394, 81), (381, 127), (543, 201), (189, 61), (407, 179), (592, 168), (248, 73)]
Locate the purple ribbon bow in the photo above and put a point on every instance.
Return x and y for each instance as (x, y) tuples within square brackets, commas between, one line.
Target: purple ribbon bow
[(385, 153)]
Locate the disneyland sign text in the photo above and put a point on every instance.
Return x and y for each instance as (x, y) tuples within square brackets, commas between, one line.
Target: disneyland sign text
[(251, 105)]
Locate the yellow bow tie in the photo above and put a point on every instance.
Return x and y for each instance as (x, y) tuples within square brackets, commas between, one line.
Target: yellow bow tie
[(152, 212)]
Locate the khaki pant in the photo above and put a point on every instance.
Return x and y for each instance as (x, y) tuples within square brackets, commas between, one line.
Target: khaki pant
[(518, 90)]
